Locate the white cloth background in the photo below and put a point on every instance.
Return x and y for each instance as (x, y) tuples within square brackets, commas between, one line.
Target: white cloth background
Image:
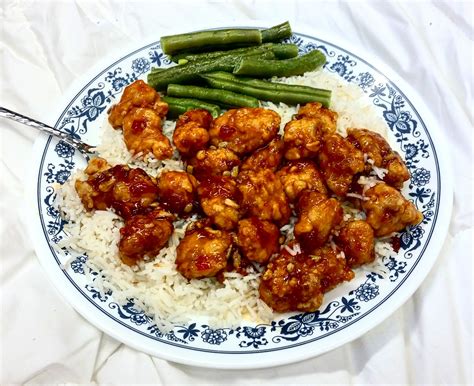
[(46, 45)]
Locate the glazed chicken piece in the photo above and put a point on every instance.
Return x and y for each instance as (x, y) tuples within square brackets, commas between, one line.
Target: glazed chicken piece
[(388, 211), (218, 196), (213, 162), (142, 134), (302, 138), (381, 154), (295, 281), (203, 252), (246, 129), (339, 161), (298, 176), (127, 191), (97, 165), (137, 94), (356, 239), (177, 191), (257, 239), (145, 235), (201, 116), (191, 132), (317, 217), (263, 196), (326, 117), (267, 157), (291, 283), (332, 267)]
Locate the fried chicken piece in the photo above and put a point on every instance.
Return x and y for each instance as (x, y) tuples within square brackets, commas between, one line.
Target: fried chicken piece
[(145, 235), (291, 283), (302, 138), (218, 196), (326, 117), (317, 216), (339, 161), (356, 238), (127, 191), (97, 165), (177, 191), (142, 134), (332, 267), (263, 196), (298, 176), (137, 94), (257, 239), (267, 157), (294, 281), (388, 211), (191, 132), (213, 162), (203, 252), (246, 129), (381, 154), (201, 116)]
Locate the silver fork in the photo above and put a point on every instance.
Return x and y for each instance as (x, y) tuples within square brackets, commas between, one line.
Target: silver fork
[(85, 149)]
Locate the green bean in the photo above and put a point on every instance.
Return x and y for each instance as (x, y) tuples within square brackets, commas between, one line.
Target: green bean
[(274, 92), (195, 41), (281, 51), (278, 32), (288, 67), (264, 84), (203, 93), (178, 106), (285, 51), (190, 71)]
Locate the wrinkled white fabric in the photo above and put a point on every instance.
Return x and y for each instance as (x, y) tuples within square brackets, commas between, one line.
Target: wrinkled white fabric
[(47, 45)]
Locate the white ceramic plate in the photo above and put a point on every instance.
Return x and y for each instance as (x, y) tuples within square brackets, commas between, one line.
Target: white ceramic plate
[(348, 311)]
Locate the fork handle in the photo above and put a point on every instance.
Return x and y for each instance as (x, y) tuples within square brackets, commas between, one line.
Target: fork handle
[(20, 118)]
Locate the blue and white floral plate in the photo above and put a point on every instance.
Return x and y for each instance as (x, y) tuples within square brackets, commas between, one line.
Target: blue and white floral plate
[(348, 311)]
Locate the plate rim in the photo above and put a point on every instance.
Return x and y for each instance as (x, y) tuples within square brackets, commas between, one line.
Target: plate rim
[(421, 268)]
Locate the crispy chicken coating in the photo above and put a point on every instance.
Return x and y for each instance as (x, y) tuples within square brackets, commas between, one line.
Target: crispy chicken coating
[(356, 238), (263, 196), (191, 132), (339, 161), (145, 235), (137, 94), (296, 281), (142, 134), (97, 165), (302, 138), (257, 239), (127, 191), (291, 283), (218, 196), (388, 211), (267, 157), (177, 191), (332, 267), (246, 129), (298, 176), (317, 216), (381, 154), (213, 162), (203, 252), (201, 116), (326, 117)]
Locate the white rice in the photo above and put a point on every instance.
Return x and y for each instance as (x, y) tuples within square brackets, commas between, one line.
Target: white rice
[(155, 285)]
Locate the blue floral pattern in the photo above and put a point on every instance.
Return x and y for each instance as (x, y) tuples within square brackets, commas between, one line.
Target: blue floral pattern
[(82, 116)]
